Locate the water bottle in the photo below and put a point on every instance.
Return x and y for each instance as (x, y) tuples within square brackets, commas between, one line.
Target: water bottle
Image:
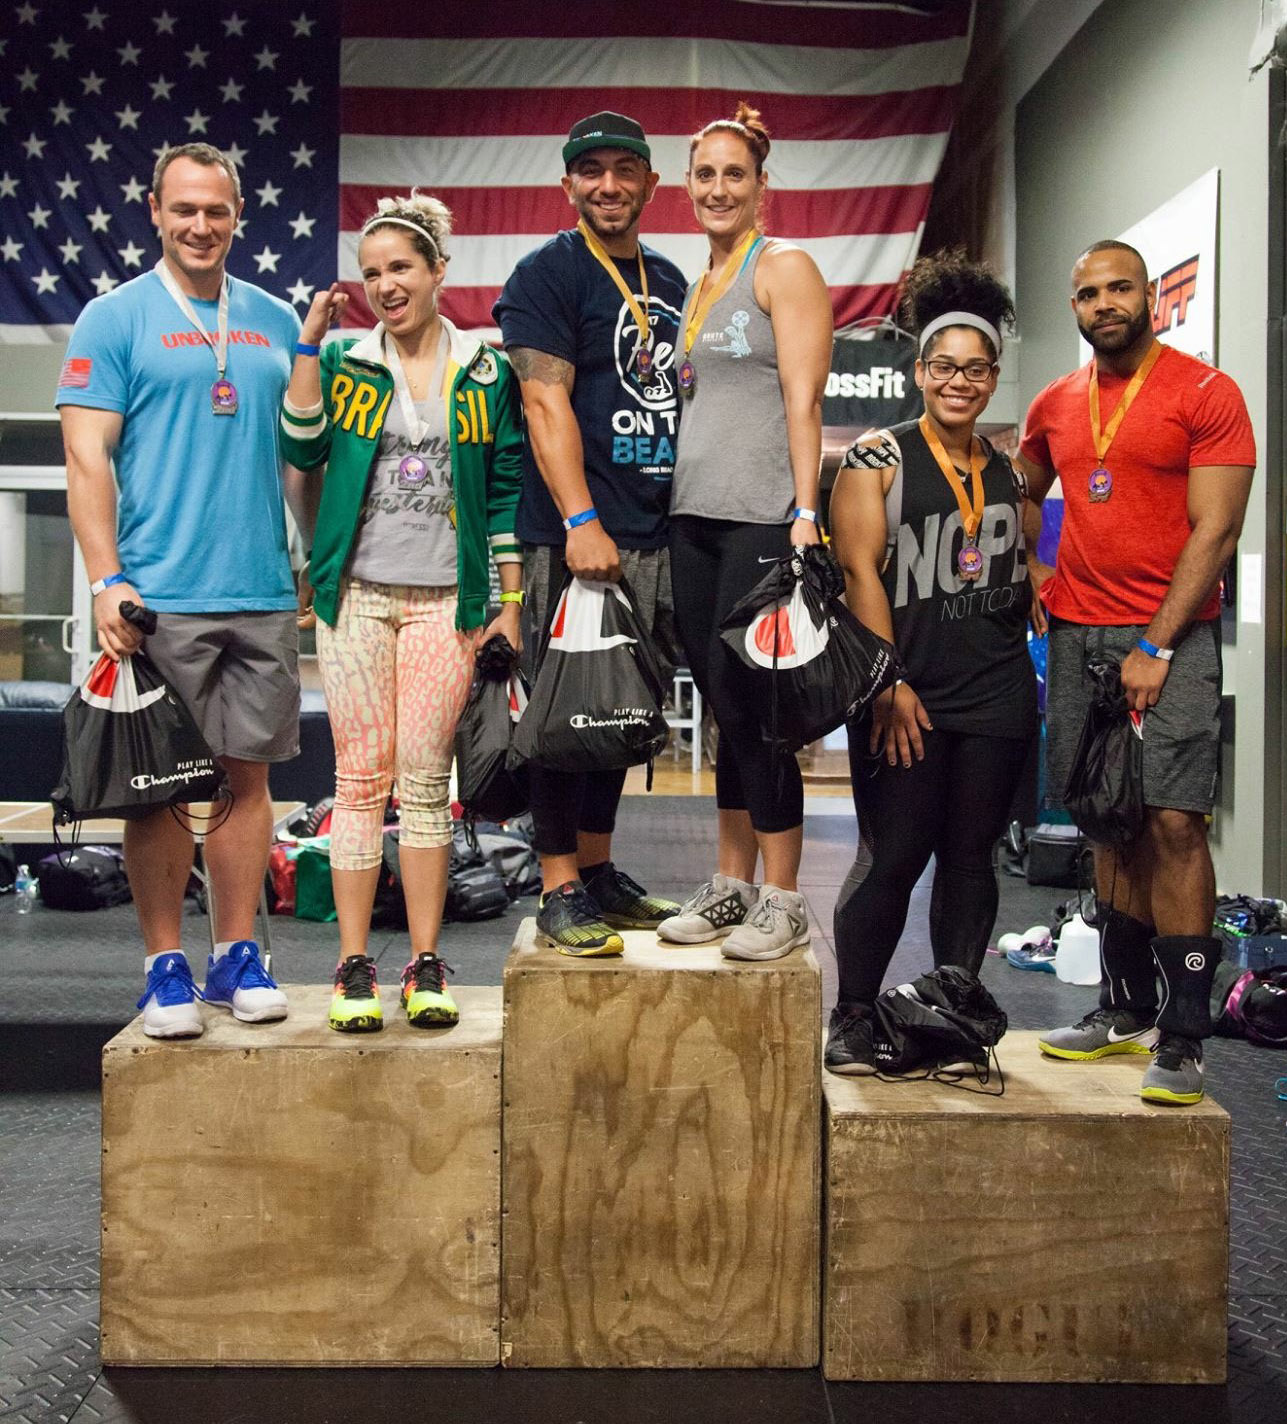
[(25, 890), (1077, 956)]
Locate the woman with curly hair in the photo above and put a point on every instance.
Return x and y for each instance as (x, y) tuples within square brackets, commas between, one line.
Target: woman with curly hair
[(415, 430), (926, 522), (755, 339)]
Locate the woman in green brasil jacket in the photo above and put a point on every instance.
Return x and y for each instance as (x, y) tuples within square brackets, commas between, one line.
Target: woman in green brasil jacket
[(417, 429)]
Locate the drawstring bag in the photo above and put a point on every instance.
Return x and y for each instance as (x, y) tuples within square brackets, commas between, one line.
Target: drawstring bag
[(596, 703), (130, 747), (815, 663), (1105, 790), (488, 788), (945, 1016)]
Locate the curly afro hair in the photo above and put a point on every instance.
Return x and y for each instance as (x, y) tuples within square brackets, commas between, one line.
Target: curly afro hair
[(949, 281)]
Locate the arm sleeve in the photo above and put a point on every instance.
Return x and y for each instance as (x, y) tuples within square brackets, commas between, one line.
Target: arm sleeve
[(537, 307), (96, 371), (304, 436), (1222, 433), (505, 475)]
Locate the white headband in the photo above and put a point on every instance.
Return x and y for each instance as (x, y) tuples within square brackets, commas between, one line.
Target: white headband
[(961, 318), (380, 219)]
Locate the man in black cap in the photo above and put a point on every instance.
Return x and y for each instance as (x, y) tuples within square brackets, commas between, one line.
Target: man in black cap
[(590, 322)]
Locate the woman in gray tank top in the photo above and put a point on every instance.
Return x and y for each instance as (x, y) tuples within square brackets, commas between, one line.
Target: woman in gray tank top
[(755, 349)]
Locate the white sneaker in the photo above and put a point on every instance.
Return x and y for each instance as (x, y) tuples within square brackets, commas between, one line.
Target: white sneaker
[(777, 925), (169, 1002), (719, 906), (238, 981)]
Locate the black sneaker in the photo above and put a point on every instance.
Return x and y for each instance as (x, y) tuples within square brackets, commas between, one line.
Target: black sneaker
[(624, 903), (570, 921), (850, 1050)]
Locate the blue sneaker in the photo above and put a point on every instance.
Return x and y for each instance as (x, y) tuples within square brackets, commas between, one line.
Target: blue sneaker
[(238, 981), (1033, 956), (169, 1002)]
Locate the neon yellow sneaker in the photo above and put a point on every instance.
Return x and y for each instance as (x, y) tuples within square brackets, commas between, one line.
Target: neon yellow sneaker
[(355, 1004), (573, 924), (425, 995)]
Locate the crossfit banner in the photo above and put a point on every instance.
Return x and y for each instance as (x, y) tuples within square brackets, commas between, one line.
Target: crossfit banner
[(871, 384)]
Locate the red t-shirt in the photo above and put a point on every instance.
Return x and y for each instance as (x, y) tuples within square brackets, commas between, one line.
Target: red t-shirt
[(1116, 558)]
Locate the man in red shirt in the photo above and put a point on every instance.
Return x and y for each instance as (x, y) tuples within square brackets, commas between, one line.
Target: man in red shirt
[(1155, 454)]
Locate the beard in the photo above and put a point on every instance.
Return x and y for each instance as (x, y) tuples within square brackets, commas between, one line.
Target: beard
[(613, 227), (1119, 338)]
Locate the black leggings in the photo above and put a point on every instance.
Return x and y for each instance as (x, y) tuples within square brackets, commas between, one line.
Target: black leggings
[(713, 562), (953, 805)]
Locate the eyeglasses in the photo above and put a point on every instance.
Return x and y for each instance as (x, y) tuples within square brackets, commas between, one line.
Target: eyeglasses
[(976, 372)]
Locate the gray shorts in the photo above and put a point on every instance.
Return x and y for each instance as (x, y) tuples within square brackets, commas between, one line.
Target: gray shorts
[(1181, 734), (647, 571), (238, 674)]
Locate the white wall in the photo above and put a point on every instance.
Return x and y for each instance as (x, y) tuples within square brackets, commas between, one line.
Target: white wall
[(1144, 98)]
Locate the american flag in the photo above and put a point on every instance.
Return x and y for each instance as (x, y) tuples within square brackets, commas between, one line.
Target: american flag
[(329, 106)]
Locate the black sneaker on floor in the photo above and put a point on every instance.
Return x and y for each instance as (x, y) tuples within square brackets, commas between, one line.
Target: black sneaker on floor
[(571, 922), (850, 1050), (624, 903)]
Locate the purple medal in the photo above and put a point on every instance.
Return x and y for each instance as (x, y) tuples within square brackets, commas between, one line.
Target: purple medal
[(1101, 485), (969, 562), (644, 362), (687, 377), (223, 397), (412, 472)]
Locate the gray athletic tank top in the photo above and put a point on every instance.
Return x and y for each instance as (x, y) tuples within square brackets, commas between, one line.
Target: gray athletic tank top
[(732, 460)]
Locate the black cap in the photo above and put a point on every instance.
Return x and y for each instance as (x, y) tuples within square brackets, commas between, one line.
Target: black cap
[(606, 130)]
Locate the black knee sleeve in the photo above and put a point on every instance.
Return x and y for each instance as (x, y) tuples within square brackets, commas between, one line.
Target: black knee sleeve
[(1128, 977), (1187, 964)]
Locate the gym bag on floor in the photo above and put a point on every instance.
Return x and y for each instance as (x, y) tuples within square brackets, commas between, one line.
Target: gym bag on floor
[(816, 664), (130, 746), (596, 703), (86, 878), (1105, 790)]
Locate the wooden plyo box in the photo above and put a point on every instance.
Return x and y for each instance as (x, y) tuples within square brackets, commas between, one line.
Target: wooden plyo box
[(1065, 1231), (282, 1194), (661, 1158)]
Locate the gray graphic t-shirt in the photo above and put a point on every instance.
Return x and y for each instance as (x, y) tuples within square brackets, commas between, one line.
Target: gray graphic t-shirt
[(406, 534)]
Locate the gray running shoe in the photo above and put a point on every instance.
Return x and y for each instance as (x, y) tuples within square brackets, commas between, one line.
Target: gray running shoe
[(850, 1050), (777, 925), (1175, 1074), (719, 906), (1100, 1033)]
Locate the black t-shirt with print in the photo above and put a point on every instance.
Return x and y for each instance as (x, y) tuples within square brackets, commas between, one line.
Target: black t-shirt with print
[(560, 300), (964, 643)]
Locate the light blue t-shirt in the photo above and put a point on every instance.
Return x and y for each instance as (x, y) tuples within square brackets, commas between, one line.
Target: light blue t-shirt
[(200, 524)]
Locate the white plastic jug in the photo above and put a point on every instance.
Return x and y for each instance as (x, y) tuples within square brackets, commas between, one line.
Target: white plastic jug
[(1077, 956)]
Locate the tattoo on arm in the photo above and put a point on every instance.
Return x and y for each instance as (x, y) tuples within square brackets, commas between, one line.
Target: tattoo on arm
[(530, 365)]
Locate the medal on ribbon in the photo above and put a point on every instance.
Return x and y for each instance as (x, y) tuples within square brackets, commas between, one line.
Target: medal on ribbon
[(969, 562), (644, 362), (223, 397), (1101, 481), (412, 472), (701, 299)]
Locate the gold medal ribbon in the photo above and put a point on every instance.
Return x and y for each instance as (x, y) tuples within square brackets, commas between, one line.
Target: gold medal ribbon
[(640, 313), (971, 511), (706, 299), (1103, 435)]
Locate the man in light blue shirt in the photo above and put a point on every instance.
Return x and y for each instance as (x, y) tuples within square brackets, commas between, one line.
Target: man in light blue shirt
[(169, 400)]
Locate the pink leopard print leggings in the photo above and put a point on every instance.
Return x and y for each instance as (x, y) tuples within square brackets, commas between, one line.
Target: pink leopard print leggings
[(396, 674)]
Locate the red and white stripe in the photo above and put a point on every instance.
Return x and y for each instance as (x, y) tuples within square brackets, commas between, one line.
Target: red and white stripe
[(474, 105)]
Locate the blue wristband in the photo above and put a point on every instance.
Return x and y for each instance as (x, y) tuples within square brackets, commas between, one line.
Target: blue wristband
[(302, 348), (576, 520), (800, 512), (100, 584), (1152, 649)]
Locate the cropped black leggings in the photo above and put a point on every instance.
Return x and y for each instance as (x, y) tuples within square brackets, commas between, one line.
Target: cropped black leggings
[(713, 562), (953, 805)]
